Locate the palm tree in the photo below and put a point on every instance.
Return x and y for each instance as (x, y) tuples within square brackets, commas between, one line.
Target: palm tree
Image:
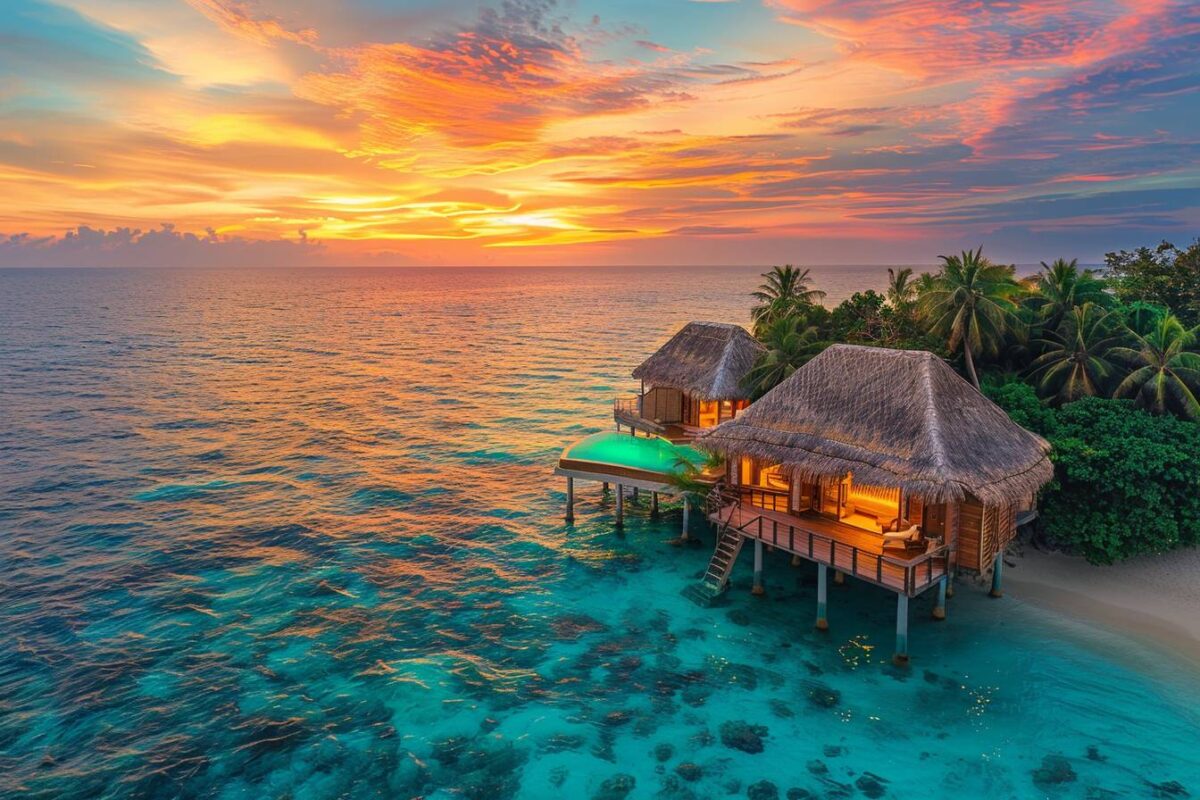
[(1062, 286), (901, 288), (1166, 369), (785, 290), (788, 348), (1074, 362), (970, 304), (688, 481)]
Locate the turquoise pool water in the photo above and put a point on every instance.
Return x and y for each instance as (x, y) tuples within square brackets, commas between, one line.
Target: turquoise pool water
[(648, 453), (296, 534)]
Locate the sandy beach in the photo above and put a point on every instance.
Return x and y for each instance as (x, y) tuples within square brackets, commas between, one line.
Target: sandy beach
[(1151, 599)]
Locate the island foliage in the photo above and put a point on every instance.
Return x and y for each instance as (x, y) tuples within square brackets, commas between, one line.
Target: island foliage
[(1104, 363)]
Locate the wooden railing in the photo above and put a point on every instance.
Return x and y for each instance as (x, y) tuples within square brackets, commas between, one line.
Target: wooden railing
[(914, 575), (770, 499), (628, 411)]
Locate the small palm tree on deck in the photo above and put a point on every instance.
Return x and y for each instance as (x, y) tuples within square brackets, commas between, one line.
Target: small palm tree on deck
[(785, 290), (1166, 369), (970, 303)]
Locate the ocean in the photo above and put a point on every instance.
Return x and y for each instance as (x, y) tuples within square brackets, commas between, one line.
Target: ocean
[(295, 533)]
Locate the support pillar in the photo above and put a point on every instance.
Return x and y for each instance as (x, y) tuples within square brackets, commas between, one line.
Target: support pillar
[(570, 499), (997, 569), (683, 529), (604, 487), (939, 608), (635, 494), (757, 591), (950, 582), (839, 578), (654, 505), (900, 659), (620, 505), (822, 596)]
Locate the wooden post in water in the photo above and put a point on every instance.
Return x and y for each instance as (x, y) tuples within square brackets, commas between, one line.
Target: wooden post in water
[(822, 596), (604, 487), (635, 494), (620, 505), (939, 608), (900, 659), (757, 591), (654, 505), (683, 530), (997, 569), (570, 499)]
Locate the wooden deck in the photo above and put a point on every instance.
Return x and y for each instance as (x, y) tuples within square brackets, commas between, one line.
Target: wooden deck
[(848, 549)]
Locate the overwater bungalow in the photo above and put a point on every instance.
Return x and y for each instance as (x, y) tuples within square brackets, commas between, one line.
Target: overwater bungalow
[(883, 465), (692, 383)]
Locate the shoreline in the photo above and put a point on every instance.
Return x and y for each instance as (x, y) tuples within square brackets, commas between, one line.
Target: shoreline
[(1154, 600)]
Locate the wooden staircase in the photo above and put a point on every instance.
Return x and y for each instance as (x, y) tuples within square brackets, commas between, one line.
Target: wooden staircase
[(729, 545)]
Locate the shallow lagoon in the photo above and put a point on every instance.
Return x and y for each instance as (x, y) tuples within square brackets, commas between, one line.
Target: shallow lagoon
[(296, 534)]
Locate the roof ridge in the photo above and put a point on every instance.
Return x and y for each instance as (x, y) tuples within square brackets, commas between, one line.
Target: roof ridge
[(934, 417)]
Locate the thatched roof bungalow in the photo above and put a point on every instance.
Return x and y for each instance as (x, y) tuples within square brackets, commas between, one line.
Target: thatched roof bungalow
[(694, 381), (875, 437)]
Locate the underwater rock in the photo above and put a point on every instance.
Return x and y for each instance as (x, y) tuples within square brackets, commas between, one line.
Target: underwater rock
[(664, 751), (1093, 754), (696, 694), (558, 776), (822, 696), (871, 785), (1055, 769), (741, 735), (689, 772), (1169, 789), (739, 616), (833, 750), (817, 767), (617, 787), (447, 751), (762, 790), (704, 738), (781, 709), (796, 793)]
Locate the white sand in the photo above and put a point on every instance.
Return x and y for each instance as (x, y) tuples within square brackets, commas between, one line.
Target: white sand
[(1153, 599)]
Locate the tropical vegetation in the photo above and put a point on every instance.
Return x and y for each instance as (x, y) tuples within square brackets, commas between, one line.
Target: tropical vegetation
[(1088, 358)]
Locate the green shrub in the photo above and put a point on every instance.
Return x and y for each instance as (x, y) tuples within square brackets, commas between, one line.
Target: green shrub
[(1022, 404), (1126, 482)]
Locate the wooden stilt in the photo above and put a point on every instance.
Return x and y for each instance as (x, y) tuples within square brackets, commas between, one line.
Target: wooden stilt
[(620, 505), (900, 659), (635, 494), (604, 487), (570, 499), (683, 529), (757, 591), (822, 596), (654, 504), (997, 571), (939, 608)]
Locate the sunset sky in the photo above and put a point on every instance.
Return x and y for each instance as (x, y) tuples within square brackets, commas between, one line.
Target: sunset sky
[(587, 132)]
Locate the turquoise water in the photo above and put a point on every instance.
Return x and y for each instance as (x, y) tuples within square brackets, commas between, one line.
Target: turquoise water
[(648, 453), (269, 535)]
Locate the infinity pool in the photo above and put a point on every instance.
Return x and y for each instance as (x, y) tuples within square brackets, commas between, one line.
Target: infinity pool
[(646, 454)]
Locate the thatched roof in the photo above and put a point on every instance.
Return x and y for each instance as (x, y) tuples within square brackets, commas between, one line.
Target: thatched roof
[(708, 359), (892, 418)]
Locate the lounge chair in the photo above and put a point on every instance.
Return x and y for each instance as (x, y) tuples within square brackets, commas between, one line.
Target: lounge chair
[(910, 541)]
